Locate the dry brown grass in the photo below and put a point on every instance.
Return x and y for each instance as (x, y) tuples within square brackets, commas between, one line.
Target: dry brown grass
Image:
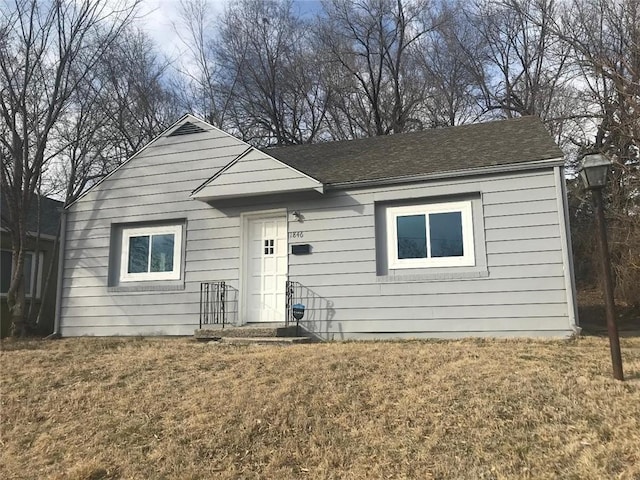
[(175, 409)]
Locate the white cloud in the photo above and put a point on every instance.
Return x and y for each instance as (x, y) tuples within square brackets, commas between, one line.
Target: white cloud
[(157, 20)]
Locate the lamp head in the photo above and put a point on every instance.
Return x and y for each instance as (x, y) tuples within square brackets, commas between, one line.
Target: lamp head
[(594, 170)]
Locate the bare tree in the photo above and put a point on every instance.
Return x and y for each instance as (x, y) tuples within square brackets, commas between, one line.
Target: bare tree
[(453, 95), (523, 67), (46, 50), (119, 107), (134, 93), (268, 77), (370, 49), (199, 71), (604, 37)]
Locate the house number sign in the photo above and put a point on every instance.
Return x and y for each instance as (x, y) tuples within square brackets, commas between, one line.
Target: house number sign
[(296, 235)]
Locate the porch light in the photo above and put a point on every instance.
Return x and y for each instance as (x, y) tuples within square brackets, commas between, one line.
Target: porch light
[(594, 171)]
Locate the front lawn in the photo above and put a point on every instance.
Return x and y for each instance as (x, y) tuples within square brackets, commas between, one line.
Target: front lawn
[(176, 409)]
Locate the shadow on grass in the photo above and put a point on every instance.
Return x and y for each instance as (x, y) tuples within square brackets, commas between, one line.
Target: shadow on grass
[(95, 343), (593, 321), (634, 377), (28, 343)]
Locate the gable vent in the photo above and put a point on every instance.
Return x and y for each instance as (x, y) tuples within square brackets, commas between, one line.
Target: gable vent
[(186, 129)]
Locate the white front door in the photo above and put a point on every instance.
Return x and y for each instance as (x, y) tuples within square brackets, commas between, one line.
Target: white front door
[(266, 269)]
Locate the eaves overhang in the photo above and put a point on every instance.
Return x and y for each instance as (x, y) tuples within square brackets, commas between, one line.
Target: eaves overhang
[(32, 234), (488, 170)]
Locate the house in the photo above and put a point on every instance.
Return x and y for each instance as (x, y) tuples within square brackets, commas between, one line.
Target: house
[(42, 251), (446, 233)]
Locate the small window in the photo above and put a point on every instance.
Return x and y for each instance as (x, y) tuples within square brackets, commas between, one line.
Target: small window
[(29, 272), (437, 235), (151, 253), (268, 247)]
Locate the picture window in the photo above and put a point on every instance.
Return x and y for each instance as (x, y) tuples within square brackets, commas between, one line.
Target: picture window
[(435, 235), (151, 253)]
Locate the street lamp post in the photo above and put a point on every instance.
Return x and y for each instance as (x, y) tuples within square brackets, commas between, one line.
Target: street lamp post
[(594, 175)]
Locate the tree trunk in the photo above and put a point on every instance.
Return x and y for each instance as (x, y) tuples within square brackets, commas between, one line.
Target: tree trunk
[(15, 295)]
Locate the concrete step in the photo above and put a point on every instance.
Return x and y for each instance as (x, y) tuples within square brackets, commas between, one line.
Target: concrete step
[(246, 331), (264, 340)]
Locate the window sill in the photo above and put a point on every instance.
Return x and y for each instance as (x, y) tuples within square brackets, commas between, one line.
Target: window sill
[(26, 297), (401, 276), (147, 287)]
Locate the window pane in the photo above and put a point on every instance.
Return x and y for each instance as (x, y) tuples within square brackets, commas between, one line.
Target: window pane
[(162, 253), (5, 271), (28, 267), (139, 254), (5, 277), (445, 232), (412, 236)]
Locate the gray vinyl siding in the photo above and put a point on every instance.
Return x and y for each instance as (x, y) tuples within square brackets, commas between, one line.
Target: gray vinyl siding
[(518, 287), (152, 187), (522, 290)]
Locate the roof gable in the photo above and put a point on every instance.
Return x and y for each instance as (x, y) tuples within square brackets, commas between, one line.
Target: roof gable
[(434, 151), (255, 173), (170, 141)]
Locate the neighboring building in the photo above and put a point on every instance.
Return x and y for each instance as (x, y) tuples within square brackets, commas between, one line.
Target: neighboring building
[(442, 233), (40, 254)]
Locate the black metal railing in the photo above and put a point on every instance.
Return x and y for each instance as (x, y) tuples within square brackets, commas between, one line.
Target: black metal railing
[(213, 298), (293, 296)]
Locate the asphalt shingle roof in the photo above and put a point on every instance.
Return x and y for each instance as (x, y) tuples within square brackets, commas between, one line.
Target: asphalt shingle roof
[(426, 152), (50, 211)]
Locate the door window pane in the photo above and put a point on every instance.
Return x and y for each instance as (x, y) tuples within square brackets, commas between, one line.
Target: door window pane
[(445, 234), (139, 254), (412, 236), (162, 252), (268, 247)]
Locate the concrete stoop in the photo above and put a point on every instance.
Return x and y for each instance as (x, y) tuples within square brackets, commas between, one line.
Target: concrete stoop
[(252, 334), (264, 340)]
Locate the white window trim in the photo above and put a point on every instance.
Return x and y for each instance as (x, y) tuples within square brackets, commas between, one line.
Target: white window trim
[(127, 233), (36, 280), (465, 208)]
